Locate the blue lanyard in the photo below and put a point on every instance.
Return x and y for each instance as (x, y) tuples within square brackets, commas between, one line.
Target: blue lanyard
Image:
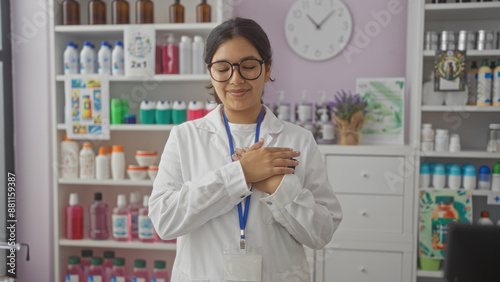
[(242, 217)]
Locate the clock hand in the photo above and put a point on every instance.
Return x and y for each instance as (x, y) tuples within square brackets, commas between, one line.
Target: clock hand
[(314, 23), (326, 18)]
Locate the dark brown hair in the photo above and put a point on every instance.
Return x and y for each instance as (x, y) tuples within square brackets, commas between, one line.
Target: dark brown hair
[(247, 28)]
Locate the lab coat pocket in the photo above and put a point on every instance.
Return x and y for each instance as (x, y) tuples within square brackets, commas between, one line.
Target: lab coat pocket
[(181, 277), (300, 275)]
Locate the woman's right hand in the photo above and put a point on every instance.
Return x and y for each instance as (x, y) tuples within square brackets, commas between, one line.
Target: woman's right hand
[(260, 162)]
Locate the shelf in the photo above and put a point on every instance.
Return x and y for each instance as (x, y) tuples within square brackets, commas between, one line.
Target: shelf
[(430, 274), (132, 127), (430, 54), (366, 150), (109, 182), (117, 245), (117, 30), (460, 109), (158, 77), (462, 154), (478, 193), (462, 11)]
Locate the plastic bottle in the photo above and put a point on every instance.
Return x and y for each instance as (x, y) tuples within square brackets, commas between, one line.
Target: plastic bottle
[(185, 55), (472, 84), (439, 176), (69, 158), (102, 164), (87, 167), (198, 48), (493, 144), (97, 12), (85, 263), (470, 177), (203, 12), (120, 12), (283, 109), (484, 178), (147, 232), (176, 12), (160, 273), (304, 111), (70, 12), (484, 80), (86, 59), (425, 176), (117, 59), (455, 143), (195, 110), (144, 12), (209, 106), (71, 59), (454, 177), (429, 95), (107, 263), (485, 219), (427, 138), (495, 177), (140, 273), (74, 271), (496, 86), (164, 112), (119, 272), (442, 215), (96, 271), (133, 209), (118, 163), (147, 112), (104, 59), (73, 218), (170, 56), (121, 220), (98, 226), (442, 142), (179, 112)]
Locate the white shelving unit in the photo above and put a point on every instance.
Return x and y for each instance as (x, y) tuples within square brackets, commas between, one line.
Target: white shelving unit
[(132, 136), (471, 122)]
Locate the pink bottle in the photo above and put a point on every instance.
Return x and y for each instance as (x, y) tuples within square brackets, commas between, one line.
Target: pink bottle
[(85, 262), (140, 273), (195, 110), (158, 59), (108, 263), (121, 220), (73, 218), (160, 273), (99, 218), (96, 271), (133, 209), (170, 56), (74, 271), (147, 232), (119, 272)]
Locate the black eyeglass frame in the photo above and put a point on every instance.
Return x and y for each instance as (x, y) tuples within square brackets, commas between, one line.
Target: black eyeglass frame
[(209, 66)]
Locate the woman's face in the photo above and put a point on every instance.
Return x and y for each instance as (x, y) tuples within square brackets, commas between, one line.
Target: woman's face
[(240, 96)]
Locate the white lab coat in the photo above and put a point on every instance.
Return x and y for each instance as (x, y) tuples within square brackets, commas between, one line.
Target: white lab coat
[(198, 187)]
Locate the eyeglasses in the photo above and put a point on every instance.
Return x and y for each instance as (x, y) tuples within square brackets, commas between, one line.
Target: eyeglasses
[(249, 69)]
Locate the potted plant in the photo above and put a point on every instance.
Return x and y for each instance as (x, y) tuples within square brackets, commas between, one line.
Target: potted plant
[(348, 111)]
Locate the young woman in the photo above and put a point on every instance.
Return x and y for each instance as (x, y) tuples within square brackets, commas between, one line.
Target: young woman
[(249, 219)]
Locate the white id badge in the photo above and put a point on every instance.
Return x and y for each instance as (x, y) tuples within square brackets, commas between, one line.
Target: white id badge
[(242, 265)]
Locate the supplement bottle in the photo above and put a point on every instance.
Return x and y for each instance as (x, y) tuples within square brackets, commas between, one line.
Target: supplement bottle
[(203, 12), (176, 11), (144, 12), (442, 215), (120, 12), (97, 12), (70, 12)]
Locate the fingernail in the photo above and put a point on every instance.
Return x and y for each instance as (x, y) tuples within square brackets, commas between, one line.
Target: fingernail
[(233, 156), (297, 152), (261, 139)]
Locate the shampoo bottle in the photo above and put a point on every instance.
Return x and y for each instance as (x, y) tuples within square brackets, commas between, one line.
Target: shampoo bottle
[(185, 55), (121, 220), (496, 85), (102, 164), (484, 80), (170, 56)]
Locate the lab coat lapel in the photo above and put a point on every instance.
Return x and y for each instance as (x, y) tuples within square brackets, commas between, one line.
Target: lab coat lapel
[(270, 128)]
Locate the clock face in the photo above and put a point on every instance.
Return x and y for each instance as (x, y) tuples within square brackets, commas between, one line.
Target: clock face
[(318, 29)]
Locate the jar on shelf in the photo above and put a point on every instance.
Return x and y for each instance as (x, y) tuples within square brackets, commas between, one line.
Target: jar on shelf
[(176, 12), (120, 12), (494, 138), (97, 12), (427, 138), (442, 142), (70, 12), (144, 12)]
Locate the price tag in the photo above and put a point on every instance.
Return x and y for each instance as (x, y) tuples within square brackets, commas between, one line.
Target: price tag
[(139, 45), (493, 198)]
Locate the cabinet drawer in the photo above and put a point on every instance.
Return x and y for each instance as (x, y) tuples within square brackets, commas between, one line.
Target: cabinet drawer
[(362, 266), (372, 213), (366, 174)]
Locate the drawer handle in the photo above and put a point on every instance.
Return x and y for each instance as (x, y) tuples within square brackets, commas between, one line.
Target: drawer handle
[(364, 213), (364, 174), (362, 269)]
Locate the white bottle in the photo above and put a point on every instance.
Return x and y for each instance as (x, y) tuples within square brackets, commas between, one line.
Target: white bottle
[(86, 59), (185, 55), (470, 177), (484, 178), (485, 219), (454, 177), (118, 162), (439, 176), (442, 142), (71, 59), (104, 59), (69, 159), (495, 177), (425, 176), (118, 59), (102, 164), (94, 56), (198, 49), (429, 95), (87, 167), (495, 93), (455, 143)]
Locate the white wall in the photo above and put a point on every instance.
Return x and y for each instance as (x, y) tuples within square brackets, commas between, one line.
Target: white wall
[(30, 50)]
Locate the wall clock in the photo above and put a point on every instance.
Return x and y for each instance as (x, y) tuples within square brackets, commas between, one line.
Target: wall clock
[(318, 30)]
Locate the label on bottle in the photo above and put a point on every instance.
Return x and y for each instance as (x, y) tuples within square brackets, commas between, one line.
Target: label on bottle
[(72, 278), (484, 89), (496, 89), (94, 278), (138, 279), (134, 224), (117, 279), (146, 229), (157, 280), (120, 226), (440, 230)]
